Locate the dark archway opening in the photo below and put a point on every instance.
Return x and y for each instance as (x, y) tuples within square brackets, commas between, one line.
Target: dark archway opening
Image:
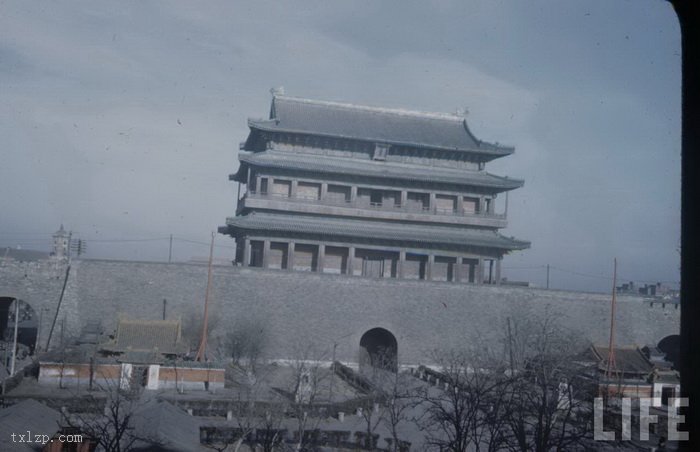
[(671, 346), (26, 327), (378, 348)]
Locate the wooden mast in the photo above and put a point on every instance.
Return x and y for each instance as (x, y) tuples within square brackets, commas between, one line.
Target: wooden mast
[(612, 366), (202, 351)]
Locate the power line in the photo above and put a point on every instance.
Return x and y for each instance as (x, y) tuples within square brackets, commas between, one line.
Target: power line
[(586, 275), (201, 243), (126, 240)]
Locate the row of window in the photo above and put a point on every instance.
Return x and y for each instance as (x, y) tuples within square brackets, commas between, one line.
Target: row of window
[(367, 263), (371, 197)]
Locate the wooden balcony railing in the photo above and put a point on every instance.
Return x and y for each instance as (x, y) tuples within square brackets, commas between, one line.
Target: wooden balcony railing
[(363, 204)]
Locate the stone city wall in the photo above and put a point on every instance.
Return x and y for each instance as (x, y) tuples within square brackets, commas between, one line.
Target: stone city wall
[(331, 311)]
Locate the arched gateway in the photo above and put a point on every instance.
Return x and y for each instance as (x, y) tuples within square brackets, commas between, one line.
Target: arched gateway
[(27, 326), (378, 348)]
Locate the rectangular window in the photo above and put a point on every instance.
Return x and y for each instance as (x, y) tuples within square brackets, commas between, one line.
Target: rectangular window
[(445, 203), (256, 253), (338, 193), (417, 201), (281, 188), (309, 190), (471, 205), (381, 151)]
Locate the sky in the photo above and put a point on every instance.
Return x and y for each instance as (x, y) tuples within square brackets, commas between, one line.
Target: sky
[(122, 120)]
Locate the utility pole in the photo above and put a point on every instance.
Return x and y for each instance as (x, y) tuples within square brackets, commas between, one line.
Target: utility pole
[(58, 308), (330, 391), (165, 304), (170, 250), (14, 341), (37, 343), (4, 363), (63, 328), (70, 235), (510, 349), (547, 276)]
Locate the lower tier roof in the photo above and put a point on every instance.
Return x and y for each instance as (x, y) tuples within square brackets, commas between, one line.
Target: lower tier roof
[(341, 228)]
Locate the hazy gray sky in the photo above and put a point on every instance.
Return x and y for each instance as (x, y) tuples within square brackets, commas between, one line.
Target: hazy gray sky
[(122, 119)]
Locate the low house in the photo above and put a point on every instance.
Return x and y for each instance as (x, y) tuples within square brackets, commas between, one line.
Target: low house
[(141, 353), (145, 341), (635, 372)]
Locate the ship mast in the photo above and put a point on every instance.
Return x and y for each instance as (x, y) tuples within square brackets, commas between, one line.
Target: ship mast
[(612, 366), (202, 351)]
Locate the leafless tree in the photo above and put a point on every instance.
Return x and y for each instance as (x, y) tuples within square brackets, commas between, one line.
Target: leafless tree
[(252, 413), (458, 406), (269, 436), (192, 324), (303, 388), (551, 404), (398, 404), (245, 343), (110, 420), (389, 400)]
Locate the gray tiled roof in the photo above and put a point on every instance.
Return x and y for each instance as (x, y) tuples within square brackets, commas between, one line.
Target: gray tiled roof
[(166, 427), (629, 360), (145, 336), (26, 415), (363, 229), (402, 127), (371, 168)]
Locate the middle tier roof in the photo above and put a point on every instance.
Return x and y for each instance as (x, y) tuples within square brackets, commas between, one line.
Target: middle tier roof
[(372, 169)]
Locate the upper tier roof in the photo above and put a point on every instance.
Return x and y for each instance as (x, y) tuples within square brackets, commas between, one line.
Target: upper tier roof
[(371, 168), (393, 126)]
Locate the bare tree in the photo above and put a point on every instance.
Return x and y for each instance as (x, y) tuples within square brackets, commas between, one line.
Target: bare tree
[(398, 404), (458, 407), (270, 434), (110, 420), (551, 404), (257, 418), (303, 388), (388, 401), (245, 343), (191, 328)]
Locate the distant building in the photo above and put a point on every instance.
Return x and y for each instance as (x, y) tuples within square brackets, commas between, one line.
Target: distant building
[(649, 290), (374, 192), (61, 244)]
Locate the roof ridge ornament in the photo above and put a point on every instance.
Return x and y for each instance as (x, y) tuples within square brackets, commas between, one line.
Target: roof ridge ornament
[(462, 112), (278, 91)]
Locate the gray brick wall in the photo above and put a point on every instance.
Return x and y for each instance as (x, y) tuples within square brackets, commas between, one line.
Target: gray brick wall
[(298, 308)]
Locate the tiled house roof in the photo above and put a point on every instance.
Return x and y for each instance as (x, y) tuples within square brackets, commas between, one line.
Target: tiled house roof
[(26, 415), (162, 336), (628, 360)]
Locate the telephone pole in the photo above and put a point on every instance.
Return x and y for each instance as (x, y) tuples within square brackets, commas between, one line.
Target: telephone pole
[(547, 276), (14, 341), (170, 250)]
